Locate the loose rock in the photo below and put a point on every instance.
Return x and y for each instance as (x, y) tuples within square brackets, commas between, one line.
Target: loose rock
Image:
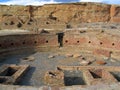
[(101, 62), (76, 55), (91, 59), (113, 60), (69, 55), (51, 56), (84, 63), (30, 58)]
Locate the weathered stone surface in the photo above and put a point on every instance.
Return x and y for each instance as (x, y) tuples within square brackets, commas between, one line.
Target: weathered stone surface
[(100, 62), (54, 78), (115, 55), (95, 75), (69, 55), (84, 63), (100, 52), (51, 56), (115, 13), (11, 74), (77, 55), (58, 15)]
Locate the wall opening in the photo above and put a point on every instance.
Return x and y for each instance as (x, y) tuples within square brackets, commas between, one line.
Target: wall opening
[(46, 41), (19, 25), (11, 23), (102, 31), (66, 41), (113, 44), (89, 42), (35, 42), (60, 38), (23, 43), (12, 44), (101, 43), (82, 31), (47, 23), (5, 23), (29, 23)]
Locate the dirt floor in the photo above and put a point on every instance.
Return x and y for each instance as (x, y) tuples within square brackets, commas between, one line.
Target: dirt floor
[(41, 62)]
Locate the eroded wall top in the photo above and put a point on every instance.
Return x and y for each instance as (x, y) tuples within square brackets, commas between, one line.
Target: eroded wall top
[(32, 17)]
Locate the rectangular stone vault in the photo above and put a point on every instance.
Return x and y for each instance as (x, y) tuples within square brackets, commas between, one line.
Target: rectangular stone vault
[(11, 74), (93, 75)]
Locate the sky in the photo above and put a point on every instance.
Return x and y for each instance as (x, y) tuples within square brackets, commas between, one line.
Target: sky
[(42, 2)]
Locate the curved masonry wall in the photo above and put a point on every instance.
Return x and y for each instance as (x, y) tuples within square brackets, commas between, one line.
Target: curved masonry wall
[(100, 43), (27, 41)]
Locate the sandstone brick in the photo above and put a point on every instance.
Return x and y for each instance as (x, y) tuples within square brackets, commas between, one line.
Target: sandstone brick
[(100, 62), (76, 55), (55, 88), (69, 55), (84, 63), (26, 88), (51, 56), (115, 55), (101, 52)]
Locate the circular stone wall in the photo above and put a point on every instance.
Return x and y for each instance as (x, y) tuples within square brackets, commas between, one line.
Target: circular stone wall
[(99, 43)]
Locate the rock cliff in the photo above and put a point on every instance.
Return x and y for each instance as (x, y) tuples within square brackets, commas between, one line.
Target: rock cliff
[(56, 15)]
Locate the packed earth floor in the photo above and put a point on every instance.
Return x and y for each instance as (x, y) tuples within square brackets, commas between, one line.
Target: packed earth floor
[(41, 62)]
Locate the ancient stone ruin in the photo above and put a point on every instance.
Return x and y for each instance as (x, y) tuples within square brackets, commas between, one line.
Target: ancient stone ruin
[(49, 16), (73, 46), (11, 74)]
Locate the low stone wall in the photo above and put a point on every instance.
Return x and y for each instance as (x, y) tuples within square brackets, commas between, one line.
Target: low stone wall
[(28, 40), (114, 13), (99, 43)]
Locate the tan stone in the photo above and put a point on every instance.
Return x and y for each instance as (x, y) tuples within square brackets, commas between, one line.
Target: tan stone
[(69, 55), (30, 16), (112, 60), (51, 56), (77, 55), (100, 62), (84, 63), (90, 59), (54, 78)]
